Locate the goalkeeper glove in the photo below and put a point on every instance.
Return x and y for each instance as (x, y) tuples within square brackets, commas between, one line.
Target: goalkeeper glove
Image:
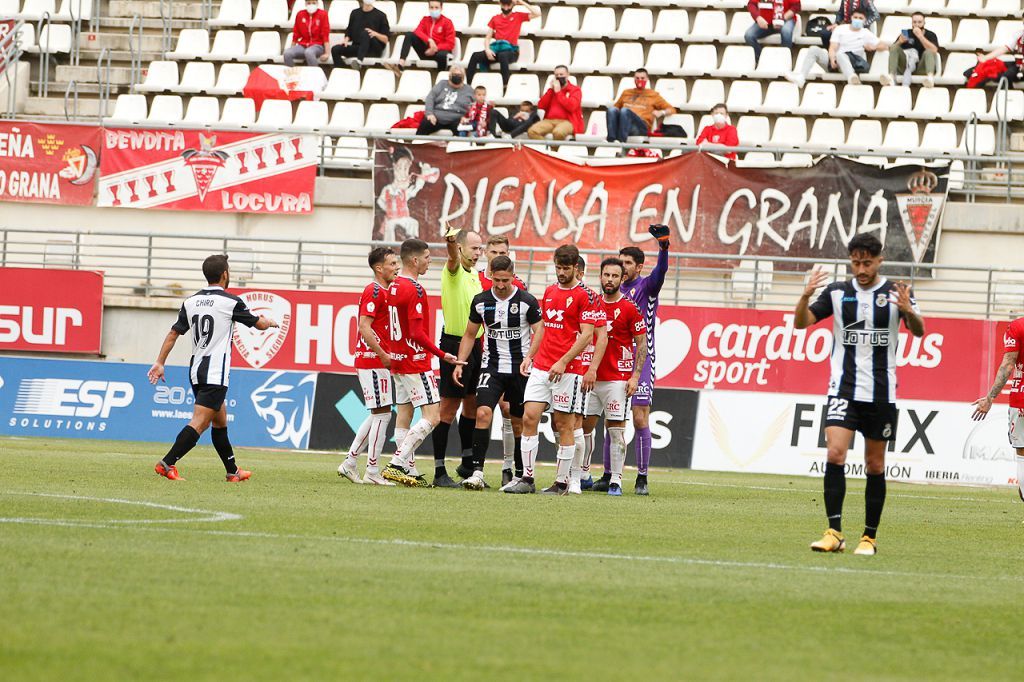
[(661, 233)]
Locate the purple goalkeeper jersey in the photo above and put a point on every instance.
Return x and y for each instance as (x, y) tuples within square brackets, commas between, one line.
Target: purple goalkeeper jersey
[(644, 292)]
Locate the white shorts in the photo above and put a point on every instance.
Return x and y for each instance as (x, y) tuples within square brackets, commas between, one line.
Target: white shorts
[(564, 396), (376, 385), (418, 389), (608, 398), (1016, 434)]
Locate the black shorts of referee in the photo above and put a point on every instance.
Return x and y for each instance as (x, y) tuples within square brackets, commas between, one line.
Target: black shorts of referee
[(470, 372)]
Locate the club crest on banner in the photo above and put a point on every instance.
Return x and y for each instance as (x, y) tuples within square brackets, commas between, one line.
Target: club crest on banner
[(204, 162), (920, 210), (256, 347)]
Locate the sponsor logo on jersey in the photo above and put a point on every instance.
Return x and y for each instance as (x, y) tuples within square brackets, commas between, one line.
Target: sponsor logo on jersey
[(855, 333)]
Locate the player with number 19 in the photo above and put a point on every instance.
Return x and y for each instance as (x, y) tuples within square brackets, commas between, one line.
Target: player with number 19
[(210, 314)]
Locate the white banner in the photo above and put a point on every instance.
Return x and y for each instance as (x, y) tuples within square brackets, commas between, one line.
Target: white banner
[(936, 442)]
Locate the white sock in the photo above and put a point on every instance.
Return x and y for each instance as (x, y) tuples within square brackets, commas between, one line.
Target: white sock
[(588, 452), (417, 434), (617, 445), (565, 456), (400, 435), (359, 442), (377, 436), (508, 443), (530, 445), (1020, 474), (577, 454)]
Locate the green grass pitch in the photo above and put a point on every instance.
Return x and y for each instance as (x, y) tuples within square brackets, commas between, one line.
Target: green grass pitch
[(298, 574)]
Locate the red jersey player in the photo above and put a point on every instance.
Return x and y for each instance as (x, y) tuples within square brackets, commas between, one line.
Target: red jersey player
[(411, 371), (373, 363), (1010, 369), (497, 245), (567, 329), (619, 372)]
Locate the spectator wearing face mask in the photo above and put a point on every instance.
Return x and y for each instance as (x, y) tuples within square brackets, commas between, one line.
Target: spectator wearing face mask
[(636, 109), (433, 39), (844, 15), (563, 109), (311, 36), (770, 17), (518, 123), (917, 53), (721, 131), (446, 103), (502, 39), (366, 36), (847, 52)]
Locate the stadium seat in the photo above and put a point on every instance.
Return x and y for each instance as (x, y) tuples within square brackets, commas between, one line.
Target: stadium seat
[(892, 26), (390, 10), (414, 85), (380, 84), (72, 9), (796, 160), (484, 13), (893, 101), (683, 120), (411, 14), (596, 128), (636, 23), (230, 79), (818, 99), (954, 65), (53, 39), (744, 96), (202, 110), (27, 35), (828, 132), (228, 45), (238, 111), (774, 63), (979, 139), (1006, 30), (699, 60), (737, 62), (342, 84), (967, 102), (160, 77), (128, 110), (198, 77), (865, 133), (590, 56), (381, 116), (970, 34), (674, 90), (165, 110), (347, 117), (705, 94), (10, 8), (523, 86), (662, 58), (931, 104), (33, 10), (1001, 8), (1006, 105), (598, 91), (458, 12), (757, 160), (781, 98), (886, 7), (551, 54), (560, 21), (270, 14), (789, 131), (275, 113), (489, 80), (598, 23), (939, 137), (942, 27), (338, 13), (233, 13), (310, 116), (263, 46), (351, 152), (856, 100), (901, 137), (193, 43), (626, 58), (672, 24), (752, 130), (708, 26)]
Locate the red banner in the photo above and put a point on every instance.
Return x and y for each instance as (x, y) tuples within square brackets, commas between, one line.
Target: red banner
[(541, 200), (218, 171), (703, 348), (52, 311), (48, 163)]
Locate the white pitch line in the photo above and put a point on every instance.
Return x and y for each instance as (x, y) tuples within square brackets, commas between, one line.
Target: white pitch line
[(207, 515), (818, 490), (525, 551)]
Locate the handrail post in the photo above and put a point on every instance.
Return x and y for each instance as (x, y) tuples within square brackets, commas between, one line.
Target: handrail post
[(149, 265), (988, 296)]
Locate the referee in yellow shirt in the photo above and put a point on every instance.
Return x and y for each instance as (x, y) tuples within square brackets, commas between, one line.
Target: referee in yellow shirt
[(460, 282)]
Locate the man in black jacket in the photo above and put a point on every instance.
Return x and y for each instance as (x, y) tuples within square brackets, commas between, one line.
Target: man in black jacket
[(366, 36)]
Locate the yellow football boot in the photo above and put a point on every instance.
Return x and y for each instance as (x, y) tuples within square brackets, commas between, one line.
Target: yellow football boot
[(831, 541)]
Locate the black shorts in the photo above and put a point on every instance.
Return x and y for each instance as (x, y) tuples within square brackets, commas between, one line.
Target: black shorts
[(493, 385), (876, 421), (210, 395), (470, 371)]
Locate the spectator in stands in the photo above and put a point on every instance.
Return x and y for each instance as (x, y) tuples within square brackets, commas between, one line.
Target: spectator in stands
[(433, 39), (636, 109), (502, 39), (1014, 72), (844, 16), (479, 120), (770, 17), (721, 131), (917, 53), (847, 52), (520, 122), (311, 36), (563, 109), (446, 103), (367, 35)]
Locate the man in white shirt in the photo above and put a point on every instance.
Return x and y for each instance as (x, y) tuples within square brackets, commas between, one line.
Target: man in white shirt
[(847, 52)]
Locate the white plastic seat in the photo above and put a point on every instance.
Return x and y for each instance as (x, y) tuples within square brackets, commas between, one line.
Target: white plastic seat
[(166, 110), (381, 116), (980, 139), (672, 89), (228, 45), (796, 160), (774, 62), (238, 111), (781, 97), (491, 81), (1006, 31), (311, 116), (342, 84), (598, 91), (757, 160), (484, 13), (128, 110), (705, 94), (351, 152), (891, 28), (752, 130), (886, 7), (571, 152), (202, 110), (709, 25), (380, 84), (411, 14), (27, 36), (389, 8), (230, 79), (744, 96), (347, 116), (971, 33), (939, 137), (551, 54), (663, 58), (160, 76), (192, 43), (901, 136), (819, 98), (590, 56), (932, 103), (699, 60), (856, 100), (72, 9), (1002, 7), (414, 85), (866, 133), (197, 77), (10, 8), (338, 13), (53, 39), (275, 113), (33, 10), (636, 22), (598, 22), (596, 127), (233, 13), (458, 12), (263, 46), (561, 21), (942, 27), (955, 63), (967, 102), (1008, 105), (626, 58), (672, 24), (737, 61), (893, 100), (789, 131), (270, 14), (828, 132), (523, 87)]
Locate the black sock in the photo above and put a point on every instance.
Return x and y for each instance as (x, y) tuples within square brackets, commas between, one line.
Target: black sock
[(223, 445), (466, 437), (835, 491), (517, 457), (186, 440), (440, 440), (874, 500), (481, 439), (606, 476)]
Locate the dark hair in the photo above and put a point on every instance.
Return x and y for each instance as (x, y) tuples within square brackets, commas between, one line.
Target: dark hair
[(641, 70), (214, 267), (720, 105), (503, 264), (412, 248), (612, 260), (917, 14), (633, 252), (379, 255), (567, 254), (560, 66), (400, 153), (479, 88), (581, 264), (860, 12), (527, 103), (865, 242)]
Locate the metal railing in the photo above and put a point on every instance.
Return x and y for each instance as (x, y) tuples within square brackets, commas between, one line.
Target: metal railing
[(44, 54), (166, 28), (71, 97), (158, 265), (135, 29), (103, 67)]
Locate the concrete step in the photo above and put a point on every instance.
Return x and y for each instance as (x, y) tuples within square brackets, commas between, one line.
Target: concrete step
[(150, 42), (89, 57), (54, 106), (85, 88), (178, 9), (87, 74)]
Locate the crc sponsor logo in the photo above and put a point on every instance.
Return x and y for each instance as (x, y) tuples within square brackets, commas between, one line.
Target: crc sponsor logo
[(68, 404), (809, 420), (44, 326), (285, 404), (257, 347), (561, 400)]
